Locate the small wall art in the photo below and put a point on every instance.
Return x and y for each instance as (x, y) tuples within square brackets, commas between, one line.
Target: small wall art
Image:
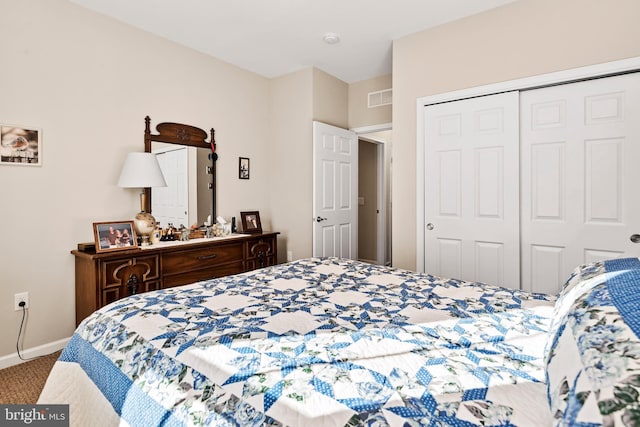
[(243, 169), (20, 145)]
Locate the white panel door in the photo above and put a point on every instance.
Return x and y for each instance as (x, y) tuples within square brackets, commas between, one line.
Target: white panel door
[(580, 175), (472, 188), (335, 192), (170, 203)]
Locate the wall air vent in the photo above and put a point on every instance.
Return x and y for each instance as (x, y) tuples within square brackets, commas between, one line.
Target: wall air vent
[(379, 98)]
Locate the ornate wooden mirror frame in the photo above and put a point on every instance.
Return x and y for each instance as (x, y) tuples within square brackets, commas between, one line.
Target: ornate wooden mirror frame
[(181, 134)]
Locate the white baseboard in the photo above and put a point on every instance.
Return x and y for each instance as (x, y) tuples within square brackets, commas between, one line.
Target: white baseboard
[(41, 350)]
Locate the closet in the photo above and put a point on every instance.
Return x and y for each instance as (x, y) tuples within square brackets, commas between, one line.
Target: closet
[(521, 187)]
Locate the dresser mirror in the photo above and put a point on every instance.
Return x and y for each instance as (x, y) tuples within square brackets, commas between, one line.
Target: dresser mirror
[(187, 161)]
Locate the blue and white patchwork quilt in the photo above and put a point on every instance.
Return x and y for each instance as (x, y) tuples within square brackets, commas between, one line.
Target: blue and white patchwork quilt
[(316, 342), (593, 359)]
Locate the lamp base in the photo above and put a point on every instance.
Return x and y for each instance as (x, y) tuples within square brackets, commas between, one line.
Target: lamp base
[(144, 224)]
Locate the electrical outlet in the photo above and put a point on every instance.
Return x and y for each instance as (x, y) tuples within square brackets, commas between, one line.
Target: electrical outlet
[(18, 298), (289, 256)]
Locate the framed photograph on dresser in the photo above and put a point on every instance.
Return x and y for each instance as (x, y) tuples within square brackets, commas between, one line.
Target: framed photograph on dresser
[(251, 222), (114, 236)]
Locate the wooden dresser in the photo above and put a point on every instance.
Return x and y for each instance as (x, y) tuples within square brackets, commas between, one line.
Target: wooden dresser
[(102, 278)]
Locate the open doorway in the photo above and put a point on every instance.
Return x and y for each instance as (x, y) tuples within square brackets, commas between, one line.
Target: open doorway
[(374, 194)]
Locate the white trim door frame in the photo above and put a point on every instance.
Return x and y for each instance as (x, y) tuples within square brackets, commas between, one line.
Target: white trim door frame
[(566, 76), (362, 132)]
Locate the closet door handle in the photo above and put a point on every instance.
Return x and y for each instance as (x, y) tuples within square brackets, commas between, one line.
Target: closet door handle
[(635, 238), (430, 227)]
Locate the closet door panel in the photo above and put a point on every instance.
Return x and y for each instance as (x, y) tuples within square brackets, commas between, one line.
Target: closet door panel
[(603, 180), (547, 185), (547, 267), (471, 190), (580, 143)]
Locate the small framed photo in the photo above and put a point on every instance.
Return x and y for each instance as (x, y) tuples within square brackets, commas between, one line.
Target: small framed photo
[(243, 168), (20, 146), (251, 222), (114, 236)]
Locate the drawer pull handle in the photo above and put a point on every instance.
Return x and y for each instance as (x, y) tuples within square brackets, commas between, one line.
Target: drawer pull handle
[(132, 284), (206, 257)]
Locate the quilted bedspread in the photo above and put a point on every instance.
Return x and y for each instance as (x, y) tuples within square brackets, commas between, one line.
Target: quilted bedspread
[(593, 357), (317, 342)]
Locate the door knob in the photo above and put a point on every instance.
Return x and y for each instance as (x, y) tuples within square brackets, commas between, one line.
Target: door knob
[(635, 238), (320, 219), (430, 227)]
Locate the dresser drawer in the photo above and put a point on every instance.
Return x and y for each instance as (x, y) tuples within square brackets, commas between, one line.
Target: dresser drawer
[(122, 277), (203, 258), (115, 272), (260, 252), (210, 272), (115, 293)]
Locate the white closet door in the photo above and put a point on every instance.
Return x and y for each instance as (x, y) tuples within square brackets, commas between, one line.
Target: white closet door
[(580, 174), (471, 189)]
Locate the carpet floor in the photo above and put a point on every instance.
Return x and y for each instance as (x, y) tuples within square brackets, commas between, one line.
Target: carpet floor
[(22, 384)]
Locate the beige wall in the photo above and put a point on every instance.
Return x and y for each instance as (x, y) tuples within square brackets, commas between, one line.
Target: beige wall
[(88, 82), (330, 99), (360, 115), (524, 38), (290, 153), (298, 99)]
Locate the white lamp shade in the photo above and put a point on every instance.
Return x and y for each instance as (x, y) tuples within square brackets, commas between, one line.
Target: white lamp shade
[(141, 170)]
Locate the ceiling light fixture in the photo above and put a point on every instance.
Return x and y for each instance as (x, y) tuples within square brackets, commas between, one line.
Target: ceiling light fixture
[(331, 38)]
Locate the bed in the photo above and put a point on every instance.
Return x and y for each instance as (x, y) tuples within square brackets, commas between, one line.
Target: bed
[(334, 342)]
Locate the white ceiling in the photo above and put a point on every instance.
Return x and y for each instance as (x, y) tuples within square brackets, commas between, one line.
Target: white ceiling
[(275, 37)]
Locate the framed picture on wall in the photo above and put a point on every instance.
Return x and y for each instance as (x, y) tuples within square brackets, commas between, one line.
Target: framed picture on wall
[(243, 168), (114, 236), (20, 146), (251, 222)]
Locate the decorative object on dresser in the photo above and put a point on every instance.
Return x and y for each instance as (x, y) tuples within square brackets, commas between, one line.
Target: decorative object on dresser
[(141, 170), (243, 168), (102, 278), (114, 236), (20, 146), (87, 246), (251, 222)]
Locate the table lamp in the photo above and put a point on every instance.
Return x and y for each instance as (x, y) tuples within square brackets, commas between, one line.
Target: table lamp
[(141, 170)]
